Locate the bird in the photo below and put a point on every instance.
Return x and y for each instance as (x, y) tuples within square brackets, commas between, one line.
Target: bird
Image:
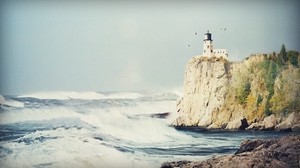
[(189, 45), (196, 33), (224, 29)]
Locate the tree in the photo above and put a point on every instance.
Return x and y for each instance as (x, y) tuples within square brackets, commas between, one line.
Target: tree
[(243, 91), (272, 72), (283, 54), (259, 100), (293, 57)]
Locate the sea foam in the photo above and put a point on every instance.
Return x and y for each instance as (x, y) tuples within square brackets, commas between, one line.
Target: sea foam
[(64, 95)]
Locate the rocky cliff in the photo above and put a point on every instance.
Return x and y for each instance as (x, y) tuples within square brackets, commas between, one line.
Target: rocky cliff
[(205, 88), (223, 94)]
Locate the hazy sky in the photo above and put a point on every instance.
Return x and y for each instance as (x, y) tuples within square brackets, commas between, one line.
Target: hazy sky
[(130, 45)]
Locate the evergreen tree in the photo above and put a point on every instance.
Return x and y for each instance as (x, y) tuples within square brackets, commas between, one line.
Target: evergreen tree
[(283, 54), (293, 57)]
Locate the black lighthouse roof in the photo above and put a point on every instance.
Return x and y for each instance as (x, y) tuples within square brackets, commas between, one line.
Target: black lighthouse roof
[(207, 36)]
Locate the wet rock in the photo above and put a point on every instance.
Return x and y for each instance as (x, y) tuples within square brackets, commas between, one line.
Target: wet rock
[(280, 153), (214, 126), (255, 126), (296, 128), (175, 164), (160, 115), (237, 124), (244, 123), (249, 145), (290, 123), (270, 122), (180, 121)]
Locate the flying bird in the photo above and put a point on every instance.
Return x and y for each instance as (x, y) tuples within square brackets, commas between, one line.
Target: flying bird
[(189, 45), (224, 29), (196, 33)]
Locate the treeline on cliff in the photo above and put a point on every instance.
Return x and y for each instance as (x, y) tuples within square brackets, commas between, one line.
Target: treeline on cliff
[(268, 84)]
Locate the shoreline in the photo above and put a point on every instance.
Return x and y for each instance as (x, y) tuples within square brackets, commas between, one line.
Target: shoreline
[(274, 152), (206, 129), (290, 123)]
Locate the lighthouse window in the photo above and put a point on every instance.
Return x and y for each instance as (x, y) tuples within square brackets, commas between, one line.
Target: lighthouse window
[(211, 50), (207, 47)]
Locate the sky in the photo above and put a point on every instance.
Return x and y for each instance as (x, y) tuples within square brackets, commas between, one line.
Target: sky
[(130, 45)]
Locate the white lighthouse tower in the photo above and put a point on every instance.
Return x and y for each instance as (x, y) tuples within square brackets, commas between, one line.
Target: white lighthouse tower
[(208, 50), (207, 45)]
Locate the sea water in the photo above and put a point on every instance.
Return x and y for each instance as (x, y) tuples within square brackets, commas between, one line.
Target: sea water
[(93, 129)]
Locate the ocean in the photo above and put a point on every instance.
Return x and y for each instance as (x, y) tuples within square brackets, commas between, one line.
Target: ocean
[(109, 130)]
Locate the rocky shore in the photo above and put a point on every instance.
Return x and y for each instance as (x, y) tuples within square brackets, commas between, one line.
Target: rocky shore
[(273, 153), (258, 93)]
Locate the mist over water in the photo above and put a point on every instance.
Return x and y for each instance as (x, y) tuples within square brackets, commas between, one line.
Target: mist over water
[(92, 129)]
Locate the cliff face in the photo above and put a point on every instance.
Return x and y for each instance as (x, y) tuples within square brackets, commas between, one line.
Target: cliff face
[(217, 92), (205, 89)]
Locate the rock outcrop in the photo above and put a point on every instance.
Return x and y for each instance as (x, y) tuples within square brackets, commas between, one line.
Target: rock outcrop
[(237, 124), (260, 90), (292, 122), (205, 89), (268, 123), (280, 153)]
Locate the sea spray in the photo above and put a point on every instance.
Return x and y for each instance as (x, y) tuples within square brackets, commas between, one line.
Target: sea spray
[(127, 130)]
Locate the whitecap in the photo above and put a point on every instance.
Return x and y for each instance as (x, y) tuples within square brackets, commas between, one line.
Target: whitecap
[(10, 102), (64, 95), (88, 95)]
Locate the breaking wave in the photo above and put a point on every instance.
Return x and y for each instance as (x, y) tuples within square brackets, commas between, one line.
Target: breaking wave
[(93, 129), (64, 95), (9, 102)]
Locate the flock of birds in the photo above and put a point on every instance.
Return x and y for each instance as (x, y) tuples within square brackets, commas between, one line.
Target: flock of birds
[(196, 33)]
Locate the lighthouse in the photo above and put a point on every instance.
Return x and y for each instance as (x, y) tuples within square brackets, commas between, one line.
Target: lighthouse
[(208, 50), (207, 45)]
